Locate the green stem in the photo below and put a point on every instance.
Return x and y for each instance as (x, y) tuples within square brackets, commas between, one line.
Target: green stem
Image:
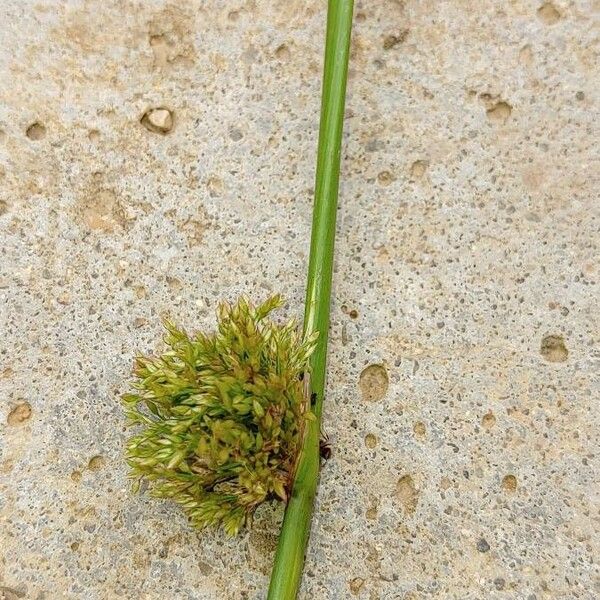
[(289, 559)]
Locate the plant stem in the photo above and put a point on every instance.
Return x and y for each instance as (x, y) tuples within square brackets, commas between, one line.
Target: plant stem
[(289, 559)]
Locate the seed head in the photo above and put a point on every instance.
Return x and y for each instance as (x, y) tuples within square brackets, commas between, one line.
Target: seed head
[(220, 416)]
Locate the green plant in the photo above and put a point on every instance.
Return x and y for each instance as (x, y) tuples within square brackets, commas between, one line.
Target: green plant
[(221, 415), (226, 421)]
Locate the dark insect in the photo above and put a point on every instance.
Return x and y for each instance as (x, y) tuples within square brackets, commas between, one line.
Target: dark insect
[(313, 398), (325, 447)]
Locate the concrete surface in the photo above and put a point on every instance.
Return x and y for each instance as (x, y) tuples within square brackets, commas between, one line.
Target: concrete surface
[(158, 156)]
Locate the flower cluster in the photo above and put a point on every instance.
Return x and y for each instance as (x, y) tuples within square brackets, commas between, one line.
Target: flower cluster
[(221, 416)]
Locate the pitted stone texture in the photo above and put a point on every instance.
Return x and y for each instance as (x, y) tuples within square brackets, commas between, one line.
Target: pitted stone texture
[(466, 270)]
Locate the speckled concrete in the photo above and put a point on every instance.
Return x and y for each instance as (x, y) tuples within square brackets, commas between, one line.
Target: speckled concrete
[(158, 156)]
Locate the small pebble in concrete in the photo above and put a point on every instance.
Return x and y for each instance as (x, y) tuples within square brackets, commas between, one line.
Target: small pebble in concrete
[(482, 545), (158, 120)]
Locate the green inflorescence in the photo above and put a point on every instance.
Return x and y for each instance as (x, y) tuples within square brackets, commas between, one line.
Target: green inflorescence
[(221, 415)]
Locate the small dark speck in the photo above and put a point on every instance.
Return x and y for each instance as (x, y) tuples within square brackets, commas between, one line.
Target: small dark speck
[(482, 545), (499, 583), (580, 96)]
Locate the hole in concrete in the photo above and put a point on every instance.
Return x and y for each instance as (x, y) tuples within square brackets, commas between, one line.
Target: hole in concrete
[(96, 463), (36, 131), (553, 349), (283, 52), (419, 429), (356, 585), (488, 420), (374, 383), (499, 112), (19, 414), (370, 440), (548, 13), (389, 41), (509, 483), (235, 134), (407, 494), (418, 168), (385, 178)]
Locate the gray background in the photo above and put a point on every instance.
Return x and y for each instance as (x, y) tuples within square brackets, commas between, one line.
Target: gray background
[(464, 460)]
